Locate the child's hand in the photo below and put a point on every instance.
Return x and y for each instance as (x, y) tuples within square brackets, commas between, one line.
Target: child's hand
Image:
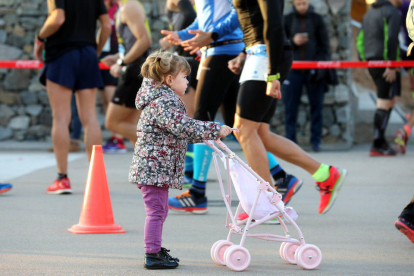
[(224, 131)]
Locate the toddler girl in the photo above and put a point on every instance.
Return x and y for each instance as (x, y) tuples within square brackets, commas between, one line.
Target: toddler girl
[(163, 131)]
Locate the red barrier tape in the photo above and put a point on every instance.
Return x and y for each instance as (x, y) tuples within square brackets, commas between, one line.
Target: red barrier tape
[(33, 64)]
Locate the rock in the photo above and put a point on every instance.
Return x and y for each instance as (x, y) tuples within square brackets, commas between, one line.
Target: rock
[(28, 98), (10, 19), (301, 118), (6, 112), (3, 36), (5, 133), (40, 131), (21, 111), (28, 48), (9, 98), (343, 114), (341, 94), (19, 122), (17, 80), (34, 109), (29, 23), (320, 7), (9, 53), (43, 98), (19, 31), (335, 131), (329, 98), (304, 98), (20, 135), (45, 118), (101, 119), (6, 3), (35, 86)]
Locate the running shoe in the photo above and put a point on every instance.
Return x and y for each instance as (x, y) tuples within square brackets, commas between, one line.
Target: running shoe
[(405, 227), (329, 188), (400, 142), (186, 202), (384, 150), (287, 189), (60, 187), (4, 187), (114, 145)]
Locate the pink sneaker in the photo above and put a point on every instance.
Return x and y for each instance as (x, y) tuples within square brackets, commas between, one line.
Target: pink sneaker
[(60, 187), (406, 228)]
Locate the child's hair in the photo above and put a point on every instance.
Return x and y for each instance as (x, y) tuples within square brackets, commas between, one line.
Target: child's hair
[(160, 64)]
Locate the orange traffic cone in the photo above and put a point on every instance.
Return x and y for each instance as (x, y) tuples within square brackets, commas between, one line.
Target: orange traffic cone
[(96, 215)]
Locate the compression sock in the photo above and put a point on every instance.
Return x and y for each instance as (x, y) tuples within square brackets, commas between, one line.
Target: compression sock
[(322, 174), (189, 161), (276, 170), (61, 176), (380, 124), (202, 160)]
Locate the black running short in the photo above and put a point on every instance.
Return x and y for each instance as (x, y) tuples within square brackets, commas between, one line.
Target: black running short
[(217, 85), (128, 84), (253, 104), (192, 78), (385, 90)]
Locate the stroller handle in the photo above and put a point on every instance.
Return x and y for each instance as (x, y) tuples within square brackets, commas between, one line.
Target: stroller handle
[(218, 142)]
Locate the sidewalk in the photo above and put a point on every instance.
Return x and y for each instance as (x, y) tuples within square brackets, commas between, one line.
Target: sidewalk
[(356, 237)]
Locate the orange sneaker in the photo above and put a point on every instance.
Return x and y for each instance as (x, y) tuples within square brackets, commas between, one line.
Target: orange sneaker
[(329, 188), (60, 187)]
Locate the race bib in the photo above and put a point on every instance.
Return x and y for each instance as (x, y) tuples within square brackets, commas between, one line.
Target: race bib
[(256, 64)]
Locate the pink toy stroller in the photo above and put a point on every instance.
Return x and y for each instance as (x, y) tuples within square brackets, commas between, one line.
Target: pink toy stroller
[(262, 202)]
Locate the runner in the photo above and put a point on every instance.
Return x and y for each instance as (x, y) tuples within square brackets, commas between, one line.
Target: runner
[(71, 64), (217, 85), (115, 144), (262, 25), (135, 37)]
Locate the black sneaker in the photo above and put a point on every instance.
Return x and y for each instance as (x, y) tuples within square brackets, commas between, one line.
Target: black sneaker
[(384, 150), (160, 260), (287, 187)]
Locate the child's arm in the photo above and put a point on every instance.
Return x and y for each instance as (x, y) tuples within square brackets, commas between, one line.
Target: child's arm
[(179, 124)]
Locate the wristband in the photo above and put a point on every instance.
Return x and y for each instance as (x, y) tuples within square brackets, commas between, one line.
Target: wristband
[(40, 39), (272, 77), (120, 62)]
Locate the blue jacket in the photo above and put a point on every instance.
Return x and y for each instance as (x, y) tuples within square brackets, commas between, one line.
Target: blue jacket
[(217, 16)]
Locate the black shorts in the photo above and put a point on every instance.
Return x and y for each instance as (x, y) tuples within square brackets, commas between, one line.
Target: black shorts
[(217, 85), (77, 69), (385, 90), (253, 104), (129, 83), (107, 78)]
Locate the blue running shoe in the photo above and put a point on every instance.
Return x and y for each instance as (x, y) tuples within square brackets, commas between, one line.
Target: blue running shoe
[(289, 187), (186, 202), (4, 187), (114, 145)]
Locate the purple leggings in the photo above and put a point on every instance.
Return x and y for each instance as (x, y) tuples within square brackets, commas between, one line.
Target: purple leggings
[(156, 207)]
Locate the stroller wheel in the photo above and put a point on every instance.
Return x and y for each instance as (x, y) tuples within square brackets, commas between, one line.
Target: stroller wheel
[(308, 256), (282, 246), (237, 258), (213, 248), (288, 252), (219, 251)]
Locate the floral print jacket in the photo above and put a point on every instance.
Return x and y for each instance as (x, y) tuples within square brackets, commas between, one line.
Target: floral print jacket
[(163, 131)]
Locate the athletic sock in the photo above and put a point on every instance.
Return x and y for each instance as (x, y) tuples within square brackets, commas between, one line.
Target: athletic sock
[(202, 160), (189, 161), (322, 174), (198, 189), (61, 176), (380, 124), (407, 129)]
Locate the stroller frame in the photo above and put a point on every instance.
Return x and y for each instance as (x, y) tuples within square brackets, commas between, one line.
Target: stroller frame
[(220, 250)]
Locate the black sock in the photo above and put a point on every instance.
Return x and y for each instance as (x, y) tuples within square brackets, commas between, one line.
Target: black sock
[(189, 174), (278, 173), (197, 192), (61, 176), (380, 124)]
